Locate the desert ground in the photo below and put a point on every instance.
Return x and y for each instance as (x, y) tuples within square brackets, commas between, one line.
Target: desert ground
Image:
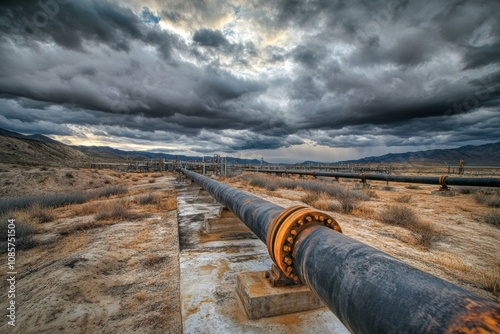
[(108, 261)]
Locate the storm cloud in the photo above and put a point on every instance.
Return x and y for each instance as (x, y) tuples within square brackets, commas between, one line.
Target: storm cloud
[(229, 76)]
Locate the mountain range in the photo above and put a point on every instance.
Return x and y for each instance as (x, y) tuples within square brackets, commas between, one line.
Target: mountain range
[(37, 149)]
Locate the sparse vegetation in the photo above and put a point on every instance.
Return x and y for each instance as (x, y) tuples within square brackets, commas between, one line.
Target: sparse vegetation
[(492, 200), (492, 218), (399, 215), (117, 210), (148, 199), (69, 175), (490, 282), (403, 199), (56, 200), (152, 180), (412, 186), (424, 232)]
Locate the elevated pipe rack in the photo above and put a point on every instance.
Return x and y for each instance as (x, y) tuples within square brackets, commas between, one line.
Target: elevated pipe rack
[(368, 290), (440, 180)]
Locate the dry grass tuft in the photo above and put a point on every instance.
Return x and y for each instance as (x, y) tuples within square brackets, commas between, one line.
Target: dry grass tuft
[(399, 215), (424, 232), (117, 210), (364, 212), (169, 203), (403, 199), (451, 261), (153, 260), (319, 201), (412, 186), (492, 218), (489, 200), (152, 180), (490, 282), (148, 199)]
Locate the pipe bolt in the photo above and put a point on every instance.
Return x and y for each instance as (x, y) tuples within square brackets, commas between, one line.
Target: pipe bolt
[(288, 261), (293, 232), (300, 222), (287, 248), (289, 269), (309, 219), (290, 240)]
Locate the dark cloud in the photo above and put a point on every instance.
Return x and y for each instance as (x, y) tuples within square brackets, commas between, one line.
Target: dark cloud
[(229, 75), (209, 37)]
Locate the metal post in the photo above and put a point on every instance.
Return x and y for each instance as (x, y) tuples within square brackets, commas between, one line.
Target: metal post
[(368, 290)]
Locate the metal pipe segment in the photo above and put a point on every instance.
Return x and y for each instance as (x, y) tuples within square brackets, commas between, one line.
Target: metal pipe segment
[(368, 290), (440, 180)]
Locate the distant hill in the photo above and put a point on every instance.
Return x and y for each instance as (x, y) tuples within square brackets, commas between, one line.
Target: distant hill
[(38, 149), (488, 154), (27, 151), (105, 151)]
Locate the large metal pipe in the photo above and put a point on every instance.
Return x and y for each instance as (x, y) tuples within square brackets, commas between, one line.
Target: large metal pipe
[(440, 180), (368, 290)]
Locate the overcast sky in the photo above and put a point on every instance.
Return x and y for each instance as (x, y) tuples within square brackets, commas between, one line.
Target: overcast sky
[(286, 80)]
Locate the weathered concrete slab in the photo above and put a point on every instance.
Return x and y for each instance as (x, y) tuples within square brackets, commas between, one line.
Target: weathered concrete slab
[(260, 299), (209, 266)]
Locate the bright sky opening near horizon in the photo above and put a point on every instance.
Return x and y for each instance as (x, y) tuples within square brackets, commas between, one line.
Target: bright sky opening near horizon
[(286, 80)]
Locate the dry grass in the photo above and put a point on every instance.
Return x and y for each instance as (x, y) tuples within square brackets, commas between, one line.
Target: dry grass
[(424, 232), (72, 242), (403, 199), (116, 210), (492, 200), (399, 215), (152, 180), (489, 281), (169, 204), (492, 218), (451, 261), (365, 212), (140, 240), (319, 201), (148, 199)]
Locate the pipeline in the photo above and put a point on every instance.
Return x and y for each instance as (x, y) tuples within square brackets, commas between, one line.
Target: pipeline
[(440, 180), (368, 290)]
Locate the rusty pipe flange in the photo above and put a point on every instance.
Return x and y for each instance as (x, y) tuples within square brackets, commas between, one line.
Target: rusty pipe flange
[(284, 230)]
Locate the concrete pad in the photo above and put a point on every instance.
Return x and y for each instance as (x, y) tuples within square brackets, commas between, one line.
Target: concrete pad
[(231, 224), (260, 299), (448, 193)]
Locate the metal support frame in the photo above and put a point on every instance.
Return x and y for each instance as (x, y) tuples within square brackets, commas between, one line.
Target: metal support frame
[(368, 290)]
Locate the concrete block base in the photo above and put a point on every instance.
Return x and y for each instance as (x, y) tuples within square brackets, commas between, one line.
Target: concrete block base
[(260, 299), (225, 221), (443, 193), (217, 225)]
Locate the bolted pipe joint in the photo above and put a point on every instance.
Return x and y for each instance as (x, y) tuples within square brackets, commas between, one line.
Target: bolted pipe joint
[(286, 228)]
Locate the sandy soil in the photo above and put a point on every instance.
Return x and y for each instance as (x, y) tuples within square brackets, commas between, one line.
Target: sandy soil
[(92, 276)]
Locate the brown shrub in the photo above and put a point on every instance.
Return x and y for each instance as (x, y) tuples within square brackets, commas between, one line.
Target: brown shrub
[(492, 218), (403, 199), (399, 215)]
